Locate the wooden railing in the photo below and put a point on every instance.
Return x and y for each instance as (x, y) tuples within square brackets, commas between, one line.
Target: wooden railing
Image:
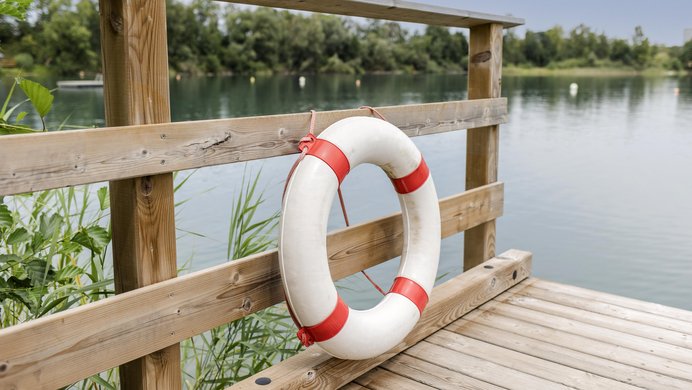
[(140, 327)]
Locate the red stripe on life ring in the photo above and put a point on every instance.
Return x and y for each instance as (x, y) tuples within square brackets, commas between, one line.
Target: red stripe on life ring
[(328, 328), (332, 156), (411, 290), (413, 180)]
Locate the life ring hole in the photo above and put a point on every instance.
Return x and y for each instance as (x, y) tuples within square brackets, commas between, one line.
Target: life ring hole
[(369, 182)]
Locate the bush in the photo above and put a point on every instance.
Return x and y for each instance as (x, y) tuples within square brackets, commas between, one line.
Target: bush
[(24, 61), (336, 65)]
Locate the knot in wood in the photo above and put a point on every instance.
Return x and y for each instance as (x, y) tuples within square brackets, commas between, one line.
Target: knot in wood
[(116, 23), (147, 185), (247, 304), (4, 366), (481, 57)]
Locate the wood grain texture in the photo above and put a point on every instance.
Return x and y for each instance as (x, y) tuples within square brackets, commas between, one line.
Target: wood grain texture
[(658, 310), (541, 368), (93, 155), (433, 374), (135, 65), (315, 369), (485, 72), (404, 11), (658, 334), (381, 379), (584, 328), (92, 338), (537, 290), (480, 368), (533, 344), (606, 348)]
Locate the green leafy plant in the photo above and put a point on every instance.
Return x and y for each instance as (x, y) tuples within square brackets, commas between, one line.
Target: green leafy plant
[(40, 97), (235, 351), (52, 253), (15, 8)]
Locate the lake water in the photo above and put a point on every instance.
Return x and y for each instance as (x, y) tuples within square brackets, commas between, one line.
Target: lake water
[(598, 185)]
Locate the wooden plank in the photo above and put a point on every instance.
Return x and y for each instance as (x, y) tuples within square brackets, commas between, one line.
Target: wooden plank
[(92, 338), (616, 300), (671, 337), (607, 309), (398, 10), (582, 328), (353, 386), (544, 349), (135, 67), (609, 349), (485, 72), (93, 155), (528, 364), (385, 239), (480, 368), (379, 378), (434, 375), (315, 369)]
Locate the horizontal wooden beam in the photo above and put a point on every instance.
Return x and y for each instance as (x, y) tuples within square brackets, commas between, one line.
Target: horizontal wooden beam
[(397, 10), (65, 347), (315, 369), (32, 162)]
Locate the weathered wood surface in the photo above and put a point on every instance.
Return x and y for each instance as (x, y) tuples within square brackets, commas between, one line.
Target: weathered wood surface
[(89, 339), (526, 344), (434, 375), (135, 65), (93, 155), (510, 343), (315, 369), (485, 72), (404, 11)]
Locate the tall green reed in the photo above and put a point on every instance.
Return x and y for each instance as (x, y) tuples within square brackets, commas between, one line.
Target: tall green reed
[(232, 352)]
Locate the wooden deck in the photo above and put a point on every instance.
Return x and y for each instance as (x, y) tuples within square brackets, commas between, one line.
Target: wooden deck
[(545, 335)]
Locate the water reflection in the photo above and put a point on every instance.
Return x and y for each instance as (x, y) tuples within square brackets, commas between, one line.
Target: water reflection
[(596, 184)]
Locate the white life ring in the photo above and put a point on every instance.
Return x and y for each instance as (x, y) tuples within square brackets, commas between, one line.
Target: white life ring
[(311, 295)]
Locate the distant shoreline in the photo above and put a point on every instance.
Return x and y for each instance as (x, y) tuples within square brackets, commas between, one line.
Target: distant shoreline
[(594, 71), (508, 70)]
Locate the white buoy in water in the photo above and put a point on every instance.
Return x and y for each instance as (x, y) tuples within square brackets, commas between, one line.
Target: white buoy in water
[(573, 89), (252, 79), (301, 81)]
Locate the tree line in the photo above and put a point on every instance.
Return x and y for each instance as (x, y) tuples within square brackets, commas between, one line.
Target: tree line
[(205, 37)]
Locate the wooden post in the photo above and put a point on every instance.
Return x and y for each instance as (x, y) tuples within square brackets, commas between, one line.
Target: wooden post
[(135, 65), (485, 75)]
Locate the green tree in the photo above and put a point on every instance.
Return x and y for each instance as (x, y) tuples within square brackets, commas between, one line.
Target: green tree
[(641, 49), (686, 55), (513, 52), (66, 43)]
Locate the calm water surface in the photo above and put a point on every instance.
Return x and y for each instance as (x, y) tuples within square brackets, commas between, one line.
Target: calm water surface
[(598, 185)]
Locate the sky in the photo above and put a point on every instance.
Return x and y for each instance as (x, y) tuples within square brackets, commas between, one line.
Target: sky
[(663, 21)]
